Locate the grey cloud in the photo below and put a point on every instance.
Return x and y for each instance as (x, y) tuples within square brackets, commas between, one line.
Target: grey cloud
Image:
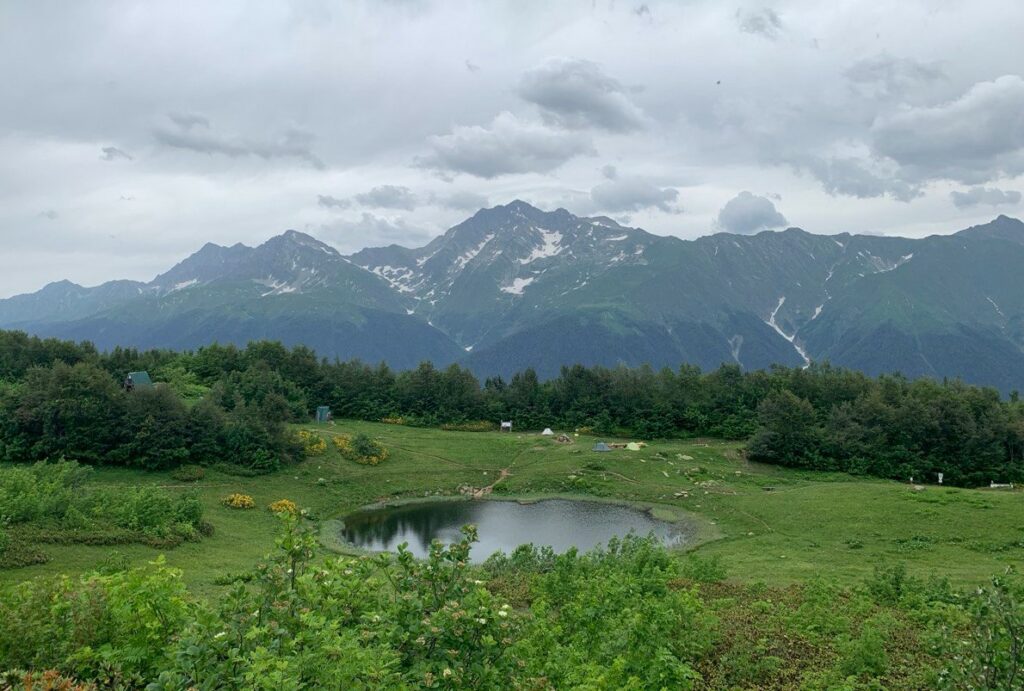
[(642, 10), (763, 21), (329, 202), (187, 121), (294, 144), (747, 213), (112, 153), (578, 94), (472, 67), (462, 201), (886, 75), (369, 230), (852, 177), (50, 214), (990, 196), (971, 139), (388, 197), (621, 194), (507, 146)]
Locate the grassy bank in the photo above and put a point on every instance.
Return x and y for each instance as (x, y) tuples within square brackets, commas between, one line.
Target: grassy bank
[(765, 523)]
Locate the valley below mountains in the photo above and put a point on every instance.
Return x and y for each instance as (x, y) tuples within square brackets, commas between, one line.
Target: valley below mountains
[(515, 287)]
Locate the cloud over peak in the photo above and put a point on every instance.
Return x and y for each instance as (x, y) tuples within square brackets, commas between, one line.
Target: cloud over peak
[(746, 214)]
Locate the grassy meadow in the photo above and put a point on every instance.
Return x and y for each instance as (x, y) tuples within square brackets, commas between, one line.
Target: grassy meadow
[(765, 524)]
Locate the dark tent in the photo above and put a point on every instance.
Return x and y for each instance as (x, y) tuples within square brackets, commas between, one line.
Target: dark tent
[(137, 380)]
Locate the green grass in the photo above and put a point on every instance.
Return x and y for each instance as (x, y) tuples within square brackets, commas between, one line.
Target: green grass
[(764, 523)]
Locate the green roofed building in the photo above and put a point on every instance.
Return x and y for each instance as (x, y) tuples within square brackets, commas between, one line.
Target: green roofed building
[(137, 380)]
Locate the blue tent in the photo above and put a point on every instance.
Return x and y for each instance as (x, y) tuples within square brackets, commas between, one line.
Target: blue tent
[(323, 413), (600, 446)]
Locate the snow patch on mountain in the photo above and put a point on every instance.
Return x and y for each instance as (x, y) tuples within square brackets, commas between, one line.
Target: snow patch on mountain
[(792, 339), (551, 245), (518, 285)]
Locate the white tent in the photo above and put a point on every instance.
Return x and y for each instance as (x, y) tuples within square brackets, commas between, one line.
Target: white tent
[(547, 432)]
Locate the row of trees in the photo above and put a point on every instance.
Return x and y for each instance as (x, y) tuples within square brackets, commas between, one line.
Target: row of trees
[(821, 417), (79, 412)]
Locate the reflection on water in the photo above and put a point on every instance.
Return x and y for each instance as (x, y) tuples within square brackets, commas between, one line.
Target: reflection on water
[(502, 525)]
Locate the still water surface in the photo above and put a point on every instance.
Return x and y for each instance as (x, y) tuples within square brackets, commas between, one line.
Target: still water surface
[(502, 525)]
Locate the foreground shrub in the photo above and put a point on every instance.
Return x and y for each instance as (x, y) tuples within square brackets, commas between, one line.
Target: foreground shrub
[(115, 627), (610, 618), (238, 501), (991, 655)]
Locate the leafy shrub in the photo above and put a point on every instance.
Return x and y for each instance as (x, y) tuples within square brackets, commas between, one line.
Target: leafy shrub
[(704, 569), (188, 473), (991, 654), (312, 443), (395, 420), (284, 506), (53, 502), (238, 501), (361, 449), (117, 627)]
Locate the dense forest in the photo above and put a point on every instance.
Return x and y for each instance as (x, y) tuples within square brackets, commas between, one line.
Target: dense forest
[(61, 399)]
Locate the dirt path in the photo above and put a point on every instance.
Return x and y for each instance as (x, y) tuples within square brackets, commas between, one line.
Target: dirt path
[(484, 491)]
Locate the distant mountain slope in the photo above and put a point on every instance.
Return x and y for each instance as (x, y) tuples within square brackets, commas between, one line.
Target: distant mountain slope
[(513, 287)]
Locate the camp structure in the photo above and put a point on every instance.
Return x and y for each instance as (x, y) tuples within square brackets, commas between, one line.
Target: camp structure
[(564, 439), (137, 380), (601, 446), (547, 432), (323, 413), (633, 446), (506, 425)]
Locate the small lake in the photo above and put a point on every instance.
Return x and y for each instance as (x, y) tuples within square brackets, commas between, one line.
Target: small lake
[(502, 525)]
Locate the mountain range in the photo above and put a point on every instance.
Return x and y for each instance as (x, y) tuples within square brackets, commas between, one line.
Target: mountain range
[(514, 286)]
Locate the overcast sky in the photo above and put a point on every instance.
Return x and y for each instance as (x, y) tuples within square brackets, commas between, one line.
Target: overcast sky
[(132, 133)]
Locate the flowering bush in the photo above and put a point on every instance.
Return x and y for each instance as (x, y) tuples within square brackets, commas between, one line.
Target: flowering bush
[(284, 506), (393, 420), (361, 449), (312, 442), (238, 501)]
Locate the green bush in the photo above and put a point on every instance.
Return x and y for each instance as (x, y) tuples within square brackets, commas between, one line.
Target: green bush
[(189, 473)]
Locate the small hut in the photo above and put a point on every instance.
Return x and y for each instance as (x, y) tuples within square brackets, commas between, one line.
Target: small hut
[(137, 380), (323, 413), (601, 446), (547, 432)]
